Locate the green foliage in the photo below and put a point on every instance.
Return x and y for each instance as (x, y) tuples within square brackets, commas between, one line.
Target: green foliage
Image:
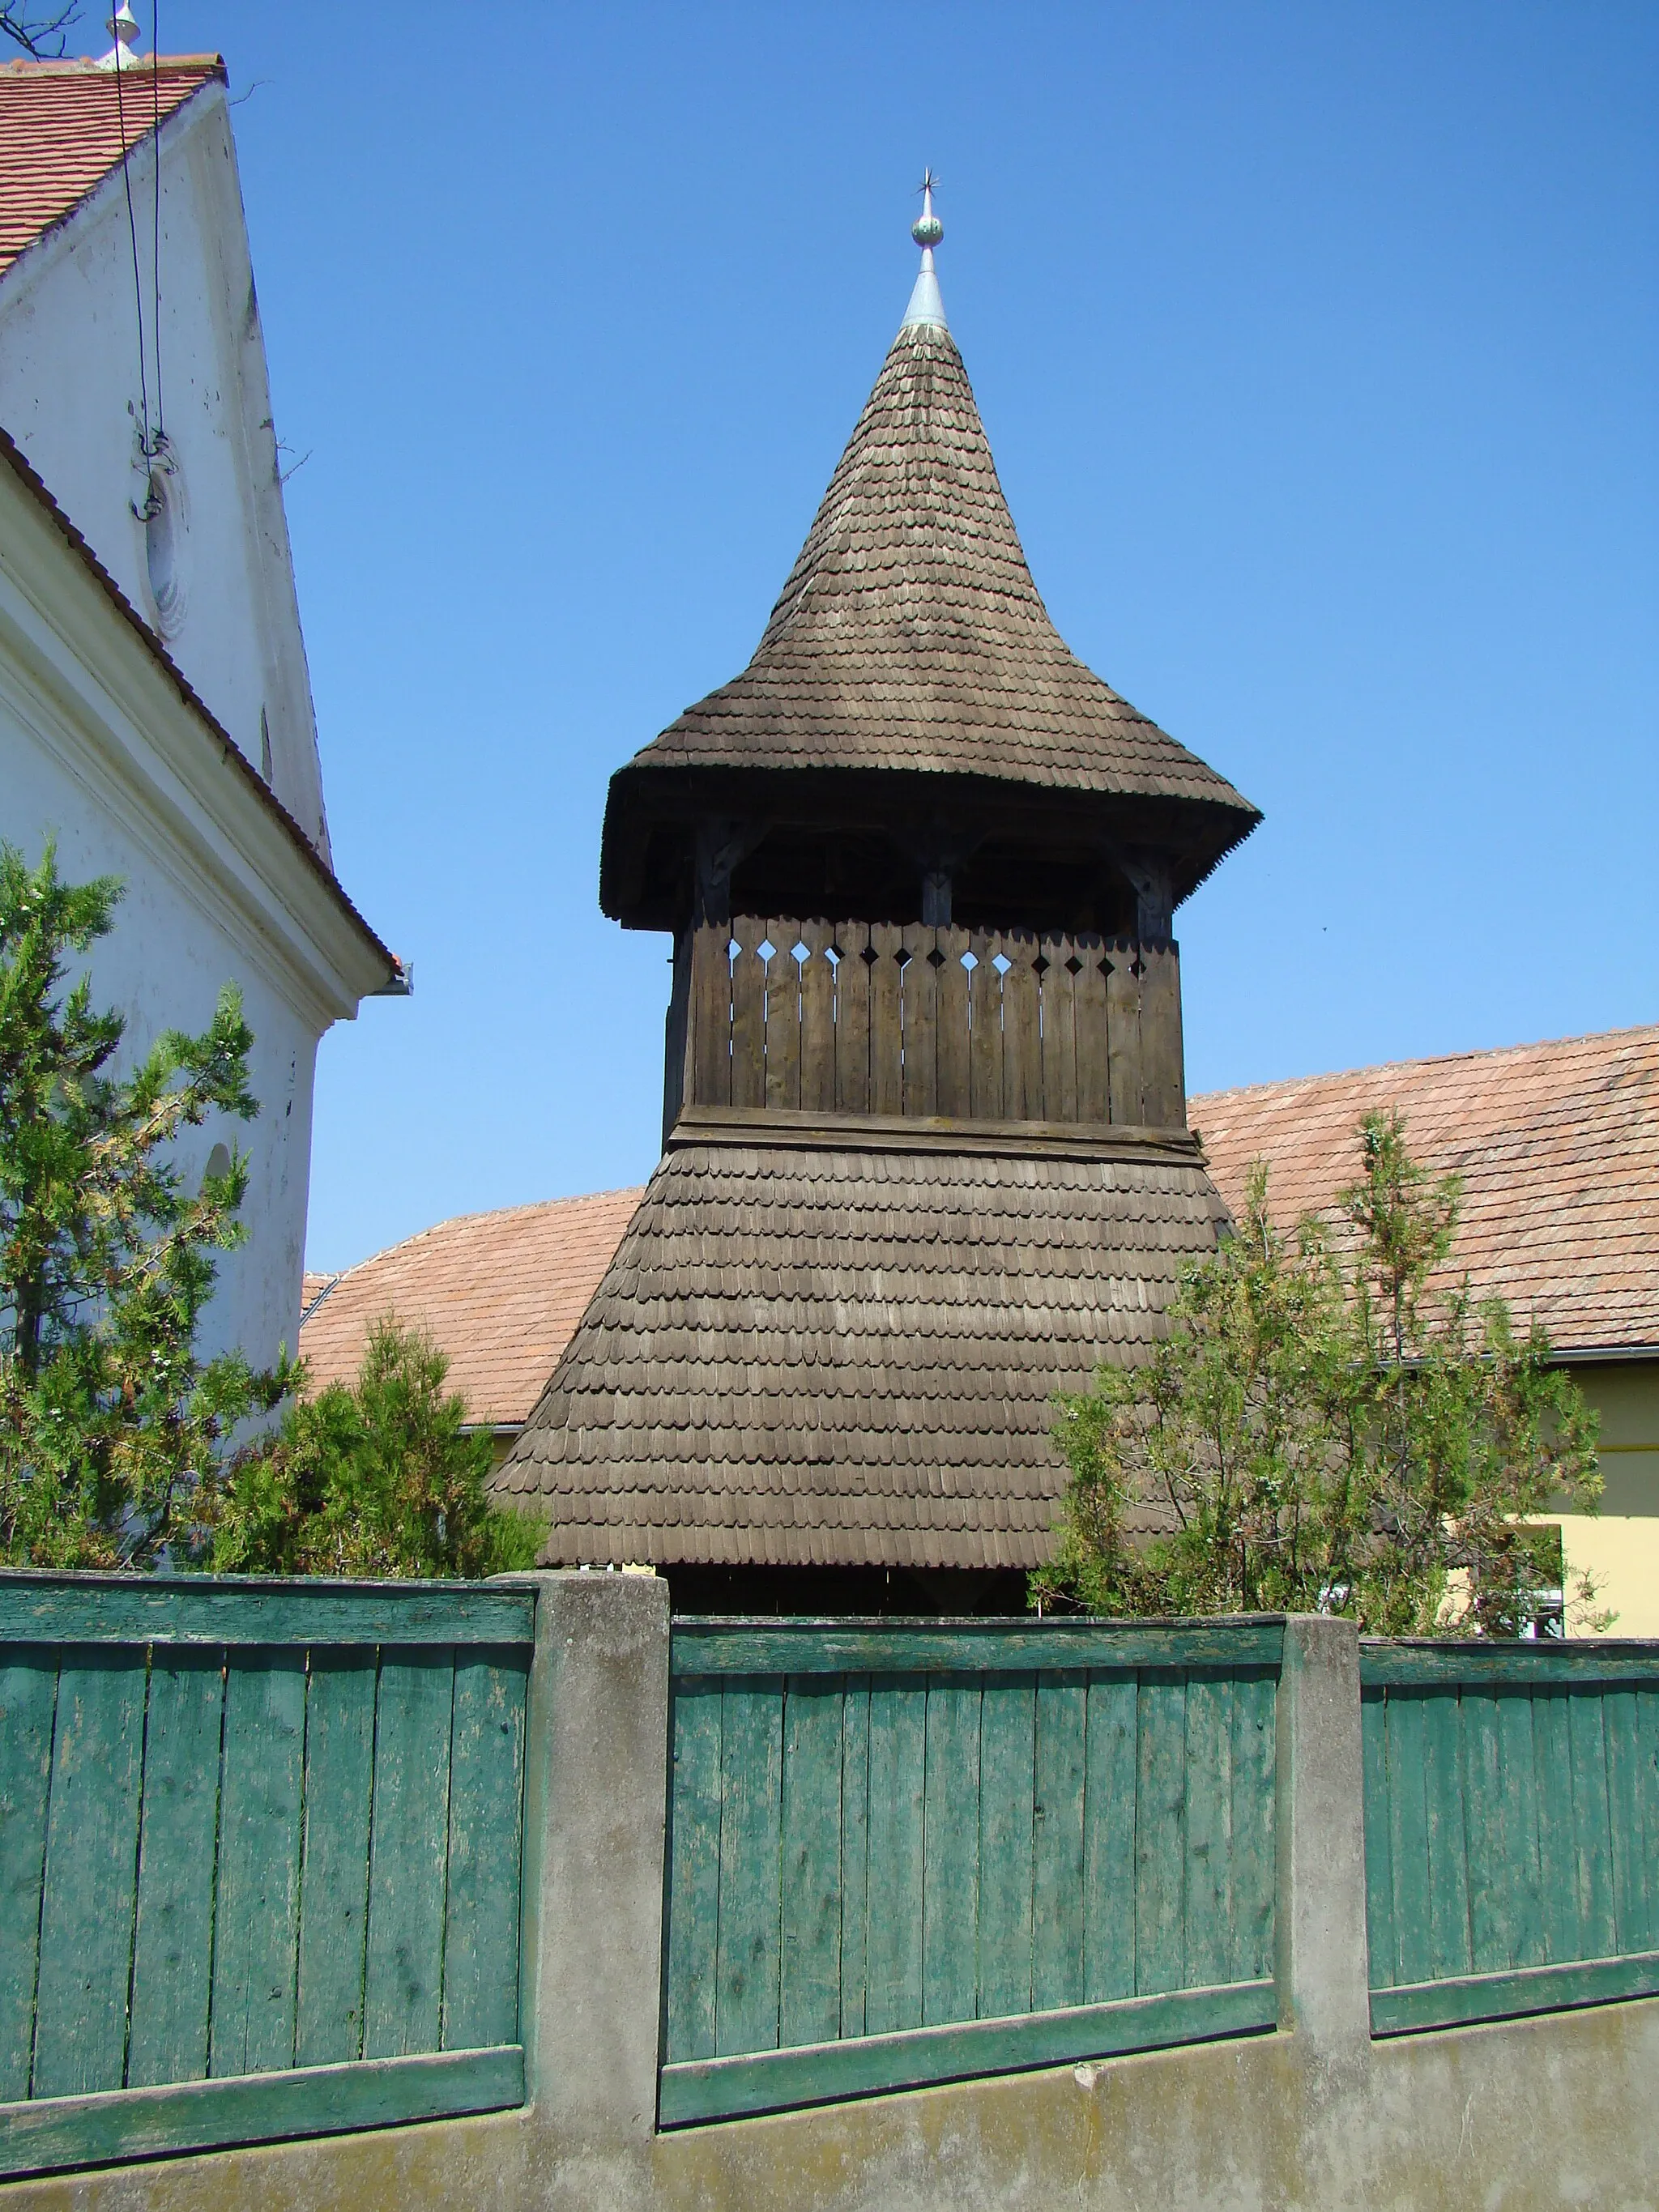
[(375, 1478), (109, 1423), (1322, 1430)]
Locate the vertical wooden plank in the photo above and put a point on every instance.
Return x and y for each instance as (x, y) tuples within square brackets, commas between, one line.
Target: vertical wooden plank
[(1109, 1959), (985, 1028), (1379, 1873), (1517, 1815), (1408, 1836), (1007, 1807), (1630, 1909), (951, 1847), (954, 1093), (783, 1016), (1160, 1831), (709, 1052), (486, 1804), (818, 1019), (172, 1952), (920, 1074), (1022, 1032), (751, 1865), (1058, 1921), (1449, 1872), (1059, 1031), (28, 1695), (1647, 1799), (1124, 1074), (334, 1875), (1208, 1918), (855, 1848), (256, 1907), (853, 1019), (1557, 1871), (1254, 1868), (898, 1752), (809, 2005), (1163, 1089), (886, 1020), (694, 1868), (1592, 1839), (403, 1978), (92, 1851), (1491, 1843), (1089, 989), (748, 988)]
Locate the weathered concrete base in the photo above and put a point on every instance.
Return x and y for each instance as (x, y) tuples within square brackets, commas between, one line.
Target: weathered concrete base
[(1558, 2110)]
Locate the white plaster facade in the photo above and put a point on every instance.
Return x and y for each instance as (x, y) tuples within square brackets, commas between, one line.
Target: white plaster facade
[(99, 745)]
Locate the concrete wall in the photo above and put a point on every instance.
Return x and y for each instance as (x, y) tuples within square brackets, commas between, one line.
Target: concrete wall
[(1551, 2112)]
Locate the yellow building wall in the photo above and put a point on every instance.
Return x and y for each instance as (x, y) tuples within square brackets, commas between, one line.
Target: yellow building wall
[(1620, 1545)]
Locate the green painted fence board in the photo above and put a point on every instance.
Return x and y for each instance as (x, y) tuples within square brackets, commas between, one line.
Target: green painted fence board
[(809, 2000), (838, 1647), (1557, 1852), (91, 1872), (1109, 1843), (1408, 1838), (1379, 1850), (225, 1610), (1630, 1905), (951, 1877), (893, 1920), (1530, 1665), (1487, 1842), (55, 2133), (1058, 1894), (1007, 1800), (694, 1869), (1160, 1832), (751, 1895), (403, 1979), (774, 2081), (28, 1698), (257, 1912), (1255, 1854), (1598, 1936), (1503, 1996), (334, 1880), (1208, 1911), (1516, 1824), (172, 1954), (855, 1848), (1443, 1791), (486, 1800)]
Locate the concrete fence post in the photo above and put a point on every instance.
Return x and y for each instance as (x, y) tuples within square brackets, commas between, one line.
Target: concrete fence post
[(1324, 1980), (596, 1797)]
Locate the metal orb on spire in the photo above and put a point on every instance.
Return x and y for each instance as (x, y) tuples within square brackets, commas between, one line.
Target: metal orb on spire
[(928, 230)]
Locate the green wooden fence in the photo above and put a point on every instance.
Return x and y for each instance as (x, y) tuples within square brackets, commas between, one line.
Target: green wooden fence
[(259, 1860), (909, 1853), (1511, 1827)]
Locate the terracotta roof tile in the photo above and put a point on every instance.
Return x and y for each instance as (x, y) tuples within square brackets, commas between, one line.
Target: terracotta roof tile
[(63, 126), (1557, 1145), (501, 1293)]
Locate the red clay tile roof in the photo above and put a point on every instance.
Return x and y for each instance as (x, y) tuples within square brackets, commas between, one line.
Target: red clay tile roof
[(501, 1293), (1557, 1145), (63, 126)]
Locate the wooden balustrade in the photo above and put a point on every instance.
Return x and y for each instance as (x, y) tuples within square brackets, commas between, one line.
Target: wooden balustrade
[(889, 1019)]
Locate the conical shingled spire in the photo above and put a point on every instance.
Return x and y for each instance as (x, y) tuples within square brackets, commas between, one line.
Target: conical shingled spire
[(910, 636)]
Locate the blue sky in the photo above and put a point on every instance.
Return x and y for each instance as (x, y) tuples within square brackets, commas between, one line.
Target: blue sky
[(1317, 348)]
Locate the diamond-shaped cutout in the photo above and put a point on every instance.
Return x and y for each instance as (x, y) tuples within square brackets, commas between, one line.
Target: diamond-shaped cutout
[(970, 962), (1040, 965), (1137, 967), (834, 955), (766, 948), (732, 949), (936, 958), (1105, 967), (869, 956), (903, 956), (1001, 962), (801, 951), (1072, 965)]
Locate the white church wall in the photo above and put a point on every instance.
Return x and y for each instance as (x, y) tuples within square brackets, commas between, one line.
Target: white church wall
[(71, 397)]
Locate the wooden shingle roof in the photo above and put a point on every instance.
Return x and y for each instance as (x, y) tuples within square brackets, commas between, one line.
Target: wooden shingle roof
[(1557, 1146), (910, 636), (848, 1357)]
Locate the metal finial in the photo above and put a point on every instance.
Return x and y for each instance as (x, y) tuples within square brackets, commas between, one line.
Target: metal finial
[(928, 230), (123, 28)]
